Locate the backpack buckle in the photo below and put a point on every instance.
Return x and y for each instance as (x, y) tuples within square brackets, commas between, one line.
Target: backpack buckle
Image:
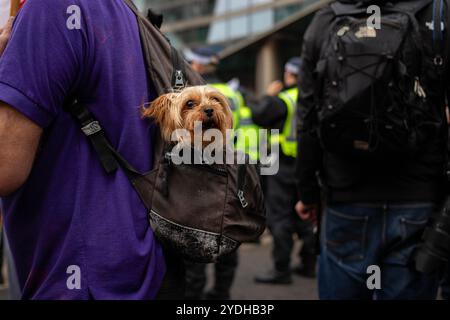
[(91, 128)]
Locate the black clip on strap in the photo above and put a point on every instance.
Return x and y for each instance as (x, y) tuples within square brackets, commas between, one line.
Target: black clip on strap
[(92, 129)]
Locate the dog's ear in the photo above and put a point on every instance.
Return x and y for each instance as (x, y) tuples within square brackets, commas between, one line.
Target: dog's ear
[(158, 109), (225, 103)]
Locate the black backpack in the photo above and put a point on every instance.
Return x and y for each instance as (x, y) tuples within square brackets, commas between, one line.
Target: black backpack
[(371, 99)]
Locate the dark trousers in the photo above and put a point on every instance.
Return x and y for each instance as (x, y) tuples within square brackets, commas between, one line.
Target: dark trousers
[(174, 283), (282, 220), (224, 272)]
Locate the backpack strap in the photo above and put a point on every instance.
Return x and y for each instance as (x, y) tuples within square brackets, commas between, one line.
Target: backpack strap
[(342, 9), (109, 158), (153, 17), (94, 132), (178, 79)]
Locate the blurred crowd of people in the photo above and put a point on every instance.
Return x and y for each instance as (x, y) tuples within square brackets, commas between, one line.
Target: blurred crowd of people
[(275, 110)]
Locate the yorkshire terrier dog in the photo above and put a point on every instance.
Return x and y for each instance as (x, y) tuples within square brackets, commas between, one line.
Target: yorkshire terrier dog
[(189, 109)]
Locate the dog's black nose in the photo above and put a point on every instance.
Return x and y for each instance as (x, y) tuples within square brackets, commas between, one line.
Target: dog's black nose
[(209, 112)]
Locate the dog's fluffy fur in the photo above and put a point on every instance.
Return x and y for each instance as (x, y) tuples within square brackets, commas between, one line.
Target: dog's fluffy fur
[(180, 110)]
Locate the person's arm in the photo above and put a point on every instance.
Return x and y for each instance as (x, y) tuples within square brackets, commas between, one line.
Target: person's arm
[(309, 156), (5, 34), (269, 112), (19, 140), (33, 87)]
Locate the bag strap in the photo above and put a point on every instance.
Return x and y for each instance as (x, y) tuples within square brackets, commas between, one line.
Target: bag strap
[(342, 9), (179, 70), (132, 7), (110, 159), (94, 132)]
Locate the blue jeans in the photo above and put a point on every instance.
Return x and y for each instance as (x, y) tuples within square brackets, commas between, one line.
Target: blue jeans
[(356, 236)]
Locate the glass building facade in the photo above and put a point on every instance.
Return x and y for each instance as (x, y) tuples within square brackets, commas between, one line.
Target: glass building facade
[(219, 22)]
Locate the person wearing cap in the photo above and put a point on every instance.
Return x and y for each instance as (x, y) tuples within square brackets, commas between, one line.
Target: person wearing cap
[(277, 110), (205, 62)]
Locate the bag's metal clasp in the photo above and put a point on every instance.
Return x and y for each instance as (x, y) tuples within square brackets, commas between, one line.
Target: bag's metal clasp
[(179, 80)]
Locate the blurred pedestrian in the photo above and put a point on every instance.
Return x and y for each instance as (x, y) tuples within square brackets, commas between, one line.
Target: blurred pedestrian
[(205, 62), (277, 110), (372, 127)]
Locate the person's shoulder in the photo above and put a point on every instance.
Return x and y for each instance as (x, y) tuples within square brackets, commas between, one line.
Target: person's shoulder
[(323, 16), (325, 12), (51, 5), (320, 22), (52, 11)]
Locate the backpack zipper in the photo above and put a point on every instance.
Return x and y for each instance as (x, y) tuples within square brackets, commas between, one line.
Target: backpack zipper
[(205, 167), (211, 169)]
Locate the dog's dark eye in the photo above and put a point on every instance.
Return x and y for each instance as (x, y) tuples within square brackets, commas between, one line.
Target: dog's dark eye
[(190, 104), (216, 99)]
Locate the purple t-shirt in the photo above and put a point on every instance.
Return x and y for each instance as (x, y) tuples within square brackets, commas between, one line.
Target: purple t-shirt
[(70, 218)]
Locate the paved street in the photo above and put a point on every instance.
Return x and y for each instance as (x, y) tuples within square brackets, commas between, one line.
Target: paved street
[(255, 258), (3, 294)]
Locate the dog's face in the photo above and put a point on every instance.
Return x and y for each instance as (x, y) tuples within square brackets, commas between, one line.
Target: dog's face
[(200, 106)]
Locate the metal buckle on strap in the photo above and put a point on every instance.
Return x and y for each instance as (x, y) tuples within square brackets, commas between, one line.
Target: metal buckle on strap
[(92, 128)]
